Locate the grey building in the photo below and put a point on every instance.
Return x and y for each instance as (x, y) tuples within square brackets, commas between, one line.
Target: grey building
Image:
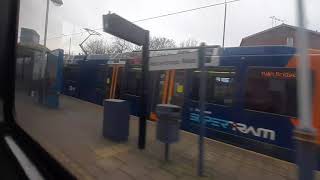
[(281, 35)]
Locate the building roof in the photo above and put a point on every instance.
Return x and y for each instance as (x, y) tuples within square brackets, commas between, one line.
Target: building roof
[(278, 27)]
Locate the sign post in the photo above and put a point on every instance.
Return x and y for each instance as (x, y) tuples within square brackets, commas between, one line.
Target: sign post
[(144, 93), (202, 98), (305, 134), (124, 29)]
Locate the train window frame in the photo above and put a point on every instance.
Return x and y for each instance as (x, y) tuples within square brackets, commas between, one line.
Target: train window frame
[(260, 68), (232, 69)]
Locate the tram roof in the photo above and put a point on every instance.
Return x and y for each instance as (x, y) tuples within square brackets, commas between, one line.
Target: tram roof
[(257, 50)]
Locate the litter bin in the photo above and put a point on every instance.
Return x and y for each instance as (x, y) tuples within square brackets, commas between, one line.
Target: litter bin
[(168, 125), (116, 119)]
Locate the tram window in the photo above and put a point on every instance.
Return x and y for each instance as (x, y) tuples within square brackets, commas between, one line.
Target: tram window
[(272, 94), (195, 86), (101, 76), (219, 86), (71, 73)]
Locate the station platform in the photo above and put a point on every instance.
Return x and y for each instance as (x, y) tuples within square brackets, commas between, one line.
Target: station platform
[(73, 135)]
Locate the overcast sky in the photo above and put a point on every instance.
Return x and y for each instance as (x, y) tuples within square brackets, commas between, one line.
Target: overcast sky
[(244, 18)]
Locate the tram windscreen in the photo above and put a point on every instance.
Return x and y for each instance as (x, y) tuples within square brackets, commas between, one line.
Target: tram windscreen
[(272, 91)]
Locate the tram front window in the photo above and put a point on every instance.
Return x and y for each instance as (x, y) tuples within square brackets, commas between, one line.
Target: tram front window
[(271, 94)]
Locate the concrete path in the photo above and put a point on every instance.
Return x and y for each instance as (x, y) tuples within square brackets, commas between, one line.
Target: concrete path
[(73, 135)]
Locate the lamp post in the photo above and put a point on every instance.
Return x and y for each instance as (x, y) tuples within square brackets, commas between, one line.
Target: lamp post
[(57, 3), (224, 22), (42, 89), (305, 134)]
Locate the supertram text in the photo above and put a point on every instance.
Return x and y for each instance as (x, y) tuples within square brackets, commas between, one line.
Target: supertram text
[(238, 127)]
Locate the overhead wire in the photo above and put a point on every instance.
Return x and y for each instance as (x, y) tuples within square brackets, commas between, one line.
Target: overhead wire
[(155, 17)]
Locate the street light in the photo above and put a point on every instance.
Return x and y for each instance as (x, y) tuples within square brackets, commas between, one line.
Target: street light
[(57, 3), (224, 22), (43, 86)]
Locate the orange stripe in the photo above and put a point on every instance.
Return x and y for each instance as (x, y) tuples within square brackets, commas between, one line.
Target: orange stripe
[(171, 87), (112, 80), (165, 88), (115, 81), (153, 116)]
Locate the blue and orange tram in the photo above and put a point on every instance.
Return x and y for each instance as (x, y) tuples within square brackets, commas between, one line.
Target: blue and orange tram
[(251, 99)]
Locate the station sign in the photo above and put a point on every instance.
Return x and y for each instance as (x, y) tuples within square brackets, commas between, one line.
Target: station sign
[(278, 74), (124, 29), (174, 61), (273, 73), (116, 61)]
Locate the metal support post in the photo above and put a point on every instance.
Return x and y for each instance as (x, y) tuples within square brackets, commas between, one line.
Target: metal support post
[(224, 22), (46, 25), (144, 93), (166, 151), (305, 134), (202, 96), (306, 154)]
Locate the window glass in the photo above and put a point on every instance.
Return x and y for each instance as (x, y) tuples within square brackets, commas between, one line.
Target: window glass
[(195, 86), (272, 90), (220, 82)]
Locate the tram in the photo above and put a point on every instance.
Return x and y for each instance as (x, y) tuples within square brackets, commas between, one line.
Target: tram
[(251, 95)]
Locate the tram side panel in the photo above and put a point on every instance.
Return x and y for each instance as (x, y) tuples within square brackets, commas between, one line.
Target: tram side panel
[(93, 81), (71, 75), (227, 115), (102, 83), (90, 80), (131, 88)]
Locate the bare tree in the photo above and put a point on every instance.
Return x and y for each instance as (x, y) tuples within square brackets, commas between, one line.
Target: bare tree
[(137, 48), (100, 46), (189, 43), (96, 46), (120, 46), (161, 43), (158, 43)]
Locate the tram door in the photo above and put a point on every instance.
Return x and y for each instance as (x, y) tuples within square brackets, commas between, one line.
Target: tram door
[(170, 89), (176, 87), (159, 90)]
